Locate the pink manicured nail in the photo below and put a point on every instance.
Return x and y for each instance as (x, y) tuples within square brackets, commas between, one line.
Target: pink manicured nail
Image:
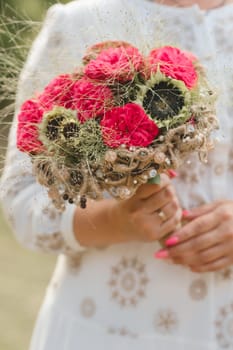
[(185, 213), (161, 254), (172, 241), (172, 173)]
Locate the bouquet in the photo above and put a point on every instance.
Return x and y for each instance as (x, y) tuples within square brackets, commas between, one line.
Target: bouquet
[(118, 121)]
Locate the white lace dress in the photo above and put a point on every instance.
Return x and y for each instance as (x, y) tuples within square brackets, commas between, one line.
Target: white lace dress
[(120, 297)]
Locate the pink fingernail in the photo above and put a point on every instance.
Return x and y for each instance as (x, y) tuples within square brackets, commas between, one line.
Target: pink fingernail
[(172, 241), (161, 254), (185, 213), (172, 173)]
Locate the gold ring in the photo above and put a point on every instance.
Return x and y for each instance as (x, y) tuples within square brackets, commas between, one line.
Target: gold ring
[(162, 215)]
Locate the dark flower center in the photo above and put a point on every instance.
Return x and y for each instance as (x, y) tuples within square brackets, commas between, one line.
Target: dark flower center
[(52, 129), (71, 129), (163, 101)]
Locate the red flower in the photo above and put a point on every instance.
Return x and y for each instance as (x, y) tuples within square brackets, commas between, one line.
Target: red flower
[(58, 93), (174, 63), (120, 64), (27, 139), (30, 112), (93, 51), (27, 133), (128, 125), (90, 100)]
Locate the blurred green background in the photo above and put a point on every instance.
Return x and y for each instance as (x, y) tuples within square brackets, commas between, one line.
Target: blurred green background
[(23, 274)]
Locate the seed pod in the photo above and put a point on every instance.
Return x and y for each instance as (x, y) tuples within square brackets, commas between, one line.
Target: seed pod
[(83, 202)]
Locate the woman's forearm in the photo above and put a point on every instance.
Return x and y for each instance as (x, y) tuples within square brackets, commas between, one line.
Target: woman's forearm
[(95, 226), (110, 221)]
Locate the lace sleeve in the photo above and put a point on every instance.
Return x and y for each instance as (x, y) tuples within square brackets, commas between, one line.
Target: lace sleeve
[(36, 223)]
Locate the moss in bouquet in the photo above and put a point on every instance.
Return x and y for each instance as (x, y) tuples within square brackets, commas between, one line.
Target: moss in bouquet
[(90, 143), (166, 100), (203, 99), (71, 157), (66, 138), (125, 93)]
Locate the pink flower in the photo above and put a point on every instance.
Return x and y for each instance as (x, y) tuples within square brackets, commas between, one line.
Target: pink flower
[(91, 100), (93, 51), (27, 133), (115, 64), (27, 139), (128, 125), (174, 63), (58, 93), (30, 112)]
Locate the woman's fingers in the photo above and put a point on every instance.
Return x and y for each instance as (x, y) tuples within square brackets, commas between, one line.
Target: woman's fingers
[(212, 254), (170, 209), (206, 256), (159, 200), (171, 224), (147, 190), (205, 243), (194, 228), (216, 265), (165, 209), (153, 212), (202, 210), (196, 244)]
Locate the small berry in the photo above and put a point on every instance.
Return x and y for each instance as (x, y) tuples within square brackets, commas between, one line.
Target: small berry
[(65, 197)]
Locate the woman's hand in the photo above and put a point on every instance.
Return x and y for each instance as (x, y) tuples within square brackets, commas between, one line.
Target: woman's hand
[(139, 218), (205, 243)]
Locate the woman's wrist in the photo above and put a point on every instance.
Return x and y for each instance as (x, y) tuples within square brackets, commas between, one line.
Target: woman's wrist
[(98, 225)]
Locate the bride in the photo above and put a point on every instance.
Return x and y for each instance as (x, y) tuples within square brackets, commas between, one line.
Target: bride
[(113, 287)]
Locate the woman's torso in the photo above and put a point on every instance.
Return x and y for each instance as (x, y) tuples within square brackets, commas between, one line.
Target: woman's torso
[(121, 289)]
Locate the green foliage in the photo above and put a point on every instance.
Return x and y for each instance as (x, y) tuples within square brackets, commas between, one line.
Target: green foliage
[(90, 141), (32, 9)]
